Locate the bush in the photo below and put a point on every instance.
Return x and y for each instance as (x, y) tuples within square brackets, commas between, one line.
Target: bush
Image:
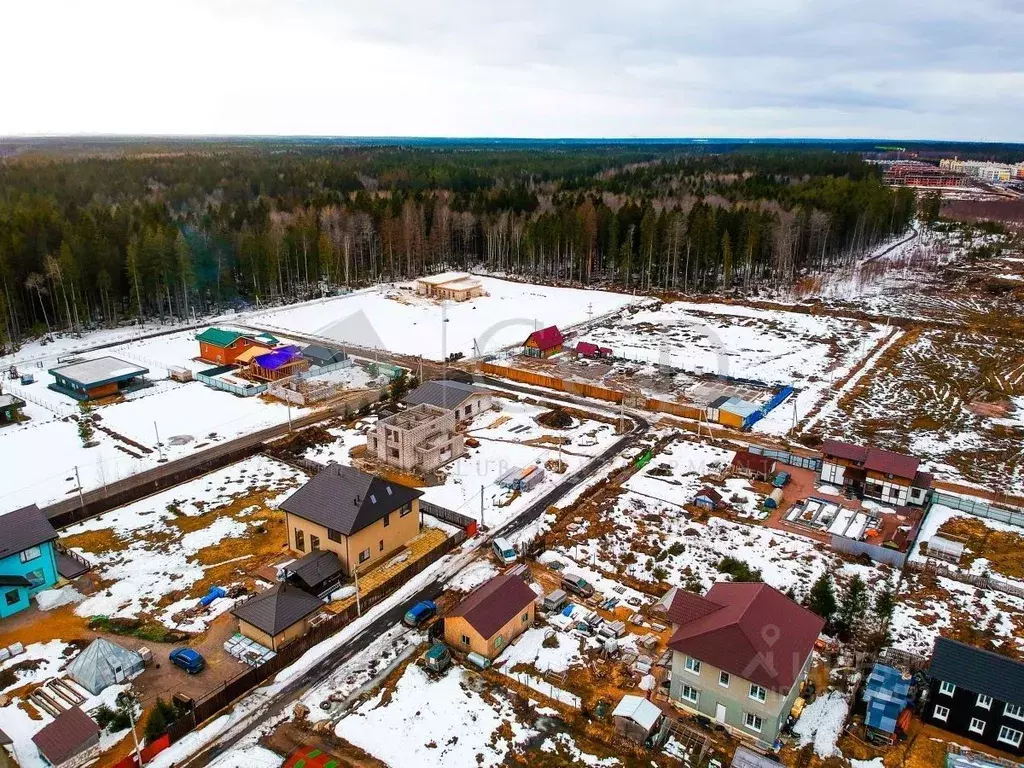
[(660, 573), (677, 548), (738, 569), (104, 716), (161, 716)]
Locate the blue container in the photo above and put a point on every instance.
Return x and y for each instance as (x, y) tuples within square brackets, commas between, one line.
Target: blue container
[(212, 595)]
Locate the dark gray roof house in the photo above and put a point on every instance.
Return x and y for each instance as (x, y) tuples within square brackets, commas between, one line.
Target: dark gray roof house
[(443, 393), (318, 573), (978, 670), (23, 529), (346, 500), (320, 355), (278, 608)]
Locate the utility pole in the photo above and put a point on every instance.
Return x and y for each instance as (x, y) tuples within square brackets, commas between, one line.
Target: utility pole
[(481, 506), (158, 446), (128, 700), (622, 411), (78, 481), (359, 609)]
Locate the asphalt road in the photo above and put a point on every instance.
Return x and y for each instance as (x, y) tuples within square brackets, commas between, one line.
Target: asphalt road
[(323, 669)]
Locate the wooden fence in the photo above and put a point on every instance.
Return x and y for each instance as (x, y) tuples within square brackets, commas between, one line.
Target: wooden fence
[(562, 385), (234, 689), (676, 409), (977, 580)]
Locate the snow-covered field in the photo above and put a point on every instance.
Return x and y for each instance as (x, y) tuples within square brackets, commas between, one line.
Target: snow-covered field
[(155, 549), (398, 320)]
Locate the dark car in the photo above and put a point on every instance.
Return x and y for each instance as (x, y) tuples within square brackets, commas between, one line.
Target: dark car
[(577, 585), (419, 613), (781, 479), (189, 660)]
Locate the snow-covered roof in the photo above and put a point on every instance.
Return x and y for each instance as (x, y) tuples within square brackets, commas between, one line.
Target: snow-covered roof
[(443, 278), (639, 710), (100, 370)]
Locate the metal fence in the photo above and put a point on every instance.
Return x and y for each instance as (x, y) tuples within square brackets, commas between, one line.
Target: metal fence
[(805, 462), (234, 689), (879, 554), (974, 579), (211, 378), (1006, 515), (446, 515)]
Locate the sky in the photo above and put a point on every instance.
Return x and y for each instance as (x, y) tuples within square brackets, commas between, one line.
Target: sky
[(930, 69)]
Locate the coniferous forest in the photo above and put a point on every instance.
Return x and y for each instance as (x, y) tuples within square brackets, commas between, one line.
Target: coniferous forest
[(93, 235)]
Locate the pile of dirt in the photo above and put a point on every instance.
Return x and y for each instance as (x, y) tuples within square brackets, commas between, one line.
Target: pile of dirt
[(556, 418)]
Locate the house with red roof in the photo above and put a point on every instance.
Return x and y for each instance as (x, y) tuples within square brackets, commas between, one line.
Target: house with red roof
[(873, 473), (588, 349), (491, 616), (740, 654), (544, 343)]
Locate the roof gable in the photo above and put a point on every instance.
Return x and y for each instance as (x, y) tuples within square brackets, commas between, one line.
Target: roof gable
[(682, 607), (841, 450), (219, 337), (65, 737), (346, 500), (443, 393), (546, 338), (278, 608), (758, 634), (23, 529), (493, 604), (978, 670)]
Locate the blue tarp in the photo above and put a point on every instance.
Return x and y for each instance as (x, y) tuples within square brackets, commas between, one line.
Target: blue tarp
[(279, 357), (886, 695)]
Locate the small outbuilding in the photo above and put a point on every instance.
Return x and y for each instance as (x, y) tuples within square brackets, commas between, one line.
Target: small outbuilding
[(744, 757), (636, 718), (277, 616), (886, 695), (101, 377), (10, 408), (71, 740), (709, 499), (322, 356), (319, 572), (491, 616), (544, 343), (753, 465), (103, 664), (587, 349), (278, 364)]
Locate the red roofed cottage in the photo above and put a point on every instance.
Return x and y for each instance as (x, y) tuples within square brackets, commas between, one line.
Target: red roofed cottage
[(491, 616), (544, 343)]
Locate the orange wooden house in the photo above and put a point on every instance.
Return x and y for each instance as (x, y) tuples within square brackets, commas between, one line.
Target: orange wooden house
[(223, 347)]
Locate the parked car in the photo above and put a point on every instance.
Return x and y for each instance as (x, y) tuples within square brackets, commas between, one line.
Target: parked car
[(577, 585), (189, 660), (419, 613), (780, 479), (504, 551)]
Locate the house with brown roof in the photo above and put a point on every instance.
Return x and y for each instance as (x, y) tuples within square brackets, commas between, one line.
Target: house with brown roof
[(890, 477), (739, 655), (277, 616), (753, 465), (491, 616), (359, 517), (71, 740), (544, 343)]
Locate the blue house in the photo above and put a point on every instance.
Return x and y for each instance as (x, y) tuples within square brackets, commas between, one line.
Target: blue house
[(28, 558)]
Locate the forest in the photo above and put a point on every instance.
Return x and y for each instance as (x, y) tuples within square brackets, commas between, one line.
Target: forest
[(174, 230)]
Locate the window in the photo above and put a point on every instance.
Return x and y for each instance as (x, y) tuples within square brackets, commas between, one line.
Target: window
[(1012, 710), (314, 543), (940, 712), (387, 519), (692, 666), (985, 702), (498, 641), (691, 694), (977, 726), (380, 546), (30, 554), (757, 693), (364, 555), (1010, 736), (405, 510), (723, 679), (752, 721), (525, 617), (947, 689), (36, 578), (333, 535), (393, 452), (465, 639), (13, 597), (300, 540)]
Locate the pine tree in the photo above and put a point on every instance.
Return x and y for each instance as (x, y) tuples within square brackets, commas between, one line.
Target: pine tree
[(885, 604), (853, 607), (85, 428), (822, 599)]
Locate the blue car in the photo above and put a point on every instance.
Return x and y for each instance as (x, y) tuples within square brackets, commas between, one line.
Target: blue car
[(419, 613), (188, 660)]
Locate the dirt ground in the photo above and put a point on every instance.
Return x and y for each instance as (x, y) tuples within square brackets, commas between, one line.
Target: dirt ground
[(1002, 549)]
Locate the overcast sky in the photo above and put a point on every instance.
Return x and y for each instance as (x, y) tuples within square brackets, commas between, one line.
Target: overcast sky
[(941, 69)]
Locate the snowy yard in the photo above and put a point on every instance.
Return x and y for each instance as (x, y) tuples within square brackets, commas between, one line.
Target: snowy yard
[(396, 319)]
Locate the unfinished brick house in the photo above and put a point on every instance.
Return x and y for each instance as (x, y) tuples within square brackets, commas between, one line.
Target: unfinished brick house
[(419, 439)]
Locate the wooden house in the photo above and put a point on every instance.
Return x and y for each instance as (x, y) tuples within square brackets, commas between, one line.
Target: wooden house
[(544, 343), (491, 616)]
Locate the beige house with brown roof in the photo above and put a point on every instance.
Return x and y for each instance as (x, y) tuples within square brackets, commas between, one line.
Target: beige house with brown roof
[(491, 616)]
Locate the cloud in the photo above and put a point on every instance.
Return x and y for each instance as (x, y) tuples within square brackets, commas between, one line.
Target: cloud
[(555, 68)]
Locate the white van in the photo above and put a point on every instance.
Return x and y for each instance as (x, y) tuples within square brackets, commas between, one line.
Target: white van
[(504, 551)]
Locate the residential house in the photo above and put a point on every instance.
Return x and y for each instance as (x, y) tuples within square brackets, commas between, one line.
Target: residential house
[(491, 616), (71, 740), (465, 399), (10, 408), (359, 517), (419, 439), (223, 347), (753, 465), (28, 558), (277, 616), (101, 377), (277, 364), (709, 499), (978, 694), (452, 286), (892, 478), (636, 718), (739, 655), (586, 349), (322, 356), (544, 343)]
